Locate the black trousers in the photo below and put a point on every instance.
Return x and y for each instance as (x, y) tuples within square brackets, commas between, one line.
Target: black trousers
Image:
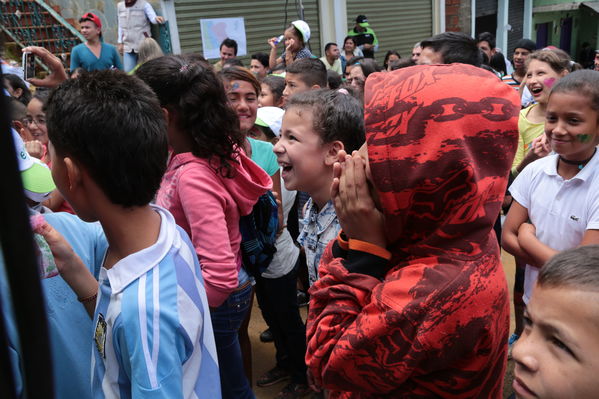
[(277, 299)]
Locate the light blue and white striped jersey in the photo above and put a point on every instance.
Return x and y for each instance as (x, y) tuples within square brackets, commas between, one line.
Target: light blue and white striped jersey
[(152, 329)]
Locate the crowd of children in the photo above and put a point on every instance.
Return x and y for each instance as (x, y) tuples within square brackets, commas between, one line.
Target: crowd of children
[(389, 194)]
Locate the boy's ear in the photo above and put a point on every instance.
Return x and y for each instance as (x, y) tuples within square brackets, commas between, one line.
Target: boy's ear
[(331, 155), (315, 87), (167, 115), (74, 174)]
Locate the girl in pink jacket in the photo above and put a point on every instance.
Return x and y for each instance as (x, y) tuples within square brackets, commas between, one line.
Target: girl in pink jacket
[(208, 185)]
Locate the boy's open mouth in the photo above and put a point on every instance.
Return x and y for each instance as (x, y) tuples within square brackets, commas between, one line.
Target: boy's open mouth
[(285, 166)]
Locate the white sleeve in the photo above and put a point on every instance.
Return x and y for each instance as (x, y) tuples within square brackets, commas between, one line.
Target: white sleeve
[(120, 35), (593, 218), (150, 13)]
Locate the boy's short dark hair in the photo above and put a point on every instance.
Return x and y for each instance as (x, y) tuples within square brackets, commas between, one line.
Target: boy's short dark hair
[(454, 47), (311, 71), (576, 268), (262, 58), (113, 125), (336, 116), (229, 43), (486, 37), (334, 80), (328, 46)]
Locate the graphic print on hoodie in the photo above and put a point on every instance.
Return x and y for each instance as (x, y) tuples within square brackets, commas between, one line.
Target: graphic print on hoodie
[(433, 321), (208, 206)]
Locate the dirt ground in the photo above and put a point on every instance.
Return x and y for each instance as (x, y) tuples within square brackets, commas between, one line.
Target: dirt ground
[(263, 354)]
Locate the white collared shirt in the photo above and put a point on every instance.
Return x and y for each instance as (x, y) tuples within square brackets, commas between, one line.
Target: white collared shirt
[(561, 210)]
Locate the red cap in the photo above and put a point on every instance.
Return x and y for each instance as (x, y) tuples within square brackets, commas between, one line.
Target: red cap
[(92, 17)]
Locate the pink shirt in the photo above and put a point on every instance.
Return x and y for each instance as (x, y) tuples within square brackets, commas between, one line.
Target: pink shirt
[(208, 207)]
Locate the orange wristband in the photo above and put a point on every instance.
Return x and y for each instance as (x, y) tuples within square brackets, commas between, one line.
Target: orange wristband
[(341, 240), (370, 248)]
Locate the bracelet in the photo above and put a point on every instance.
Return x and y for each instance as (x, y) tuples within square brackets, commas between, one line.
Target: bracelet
[(88, 299)]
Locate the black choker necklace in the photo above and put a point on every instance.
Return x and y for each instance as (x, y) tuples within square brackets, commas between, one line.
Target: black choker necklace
[(580, 164)]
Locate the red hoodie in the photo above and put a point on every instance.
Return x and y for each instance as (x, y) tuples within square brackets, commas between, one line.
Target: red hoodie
[(208, 206), (433, 321)]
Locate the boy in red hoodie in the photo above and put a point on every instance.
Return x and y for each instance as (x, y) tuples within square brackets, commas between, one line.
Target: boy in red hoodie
[(412, 300)]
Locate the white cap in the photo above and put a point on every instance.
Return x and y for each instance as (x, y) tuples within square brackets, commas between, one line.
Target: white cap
[(303, 28), (270, 117)]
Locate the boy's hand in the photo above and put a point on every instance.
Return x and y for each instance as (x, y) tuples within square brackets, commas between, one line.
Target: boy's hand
[(57, 73), (66, 259), (353, 202)]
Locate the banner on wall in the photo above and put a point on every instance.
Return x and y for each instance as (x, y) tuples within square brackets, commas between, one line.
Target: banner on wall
[(215, 30)]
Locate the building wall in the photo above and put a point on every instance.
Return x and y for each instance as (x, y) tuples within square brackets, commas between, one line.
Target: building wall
[(555, 19), (458, 16)]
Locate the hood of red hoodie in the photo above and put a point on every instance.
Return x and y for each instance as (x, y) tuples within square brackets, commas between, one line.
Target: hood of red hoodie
[(440, 140), (248, 182)]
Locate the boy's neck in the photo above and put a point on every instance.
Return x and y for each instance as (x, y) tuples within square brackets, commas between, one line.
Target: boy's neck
[(93, 42), (321, 197), (128, 230)]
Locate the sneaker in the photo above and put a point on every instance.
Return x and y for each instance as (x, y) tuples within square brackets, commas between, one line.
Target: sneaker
[(302, 298), (293, 391), (266, 336), (272, 377), (510, 345)]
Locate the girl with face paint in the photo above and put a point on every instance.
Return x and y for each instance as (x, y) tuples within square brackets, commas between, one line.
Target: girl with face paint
[(556, 207), (544, 69)]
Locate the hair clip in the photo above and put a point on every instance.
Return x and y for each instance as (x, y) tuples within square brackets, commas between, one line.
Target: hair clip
[(184, 68)]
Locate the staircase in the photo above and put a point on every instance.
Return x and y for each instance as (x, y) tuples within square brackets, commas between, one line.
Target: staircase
[(36, 23)]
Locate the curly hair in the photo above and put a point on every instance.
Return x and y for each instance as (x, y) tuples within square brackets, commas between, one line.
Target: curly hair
[(190, 88)]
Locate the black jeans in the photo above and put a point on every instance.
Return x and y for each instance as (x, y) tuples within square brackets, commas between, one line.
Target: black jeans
[(278, 301)]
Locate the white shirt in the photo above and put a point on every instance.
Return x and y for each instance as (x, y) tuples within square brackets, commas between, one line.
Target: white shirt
[(561, 210)]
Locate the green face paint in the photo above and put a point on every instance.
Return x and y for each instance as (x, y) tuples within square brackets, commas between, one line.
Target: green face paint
[(584, 138)]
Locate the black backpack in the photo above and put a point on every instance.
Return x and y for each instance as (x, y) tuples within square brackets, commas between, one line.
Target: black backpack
[(258, 234)]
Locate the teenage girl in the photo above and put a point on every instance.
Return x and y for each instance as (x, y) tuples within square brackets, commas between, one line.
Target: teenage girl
[(242, 90), (556, 198), (544, 69), (208, 185)]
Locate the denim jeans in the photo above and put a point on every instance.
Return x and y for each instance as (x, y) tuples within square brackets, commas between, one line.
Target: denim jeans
[(277, 298), (226, 320), (129, 61)]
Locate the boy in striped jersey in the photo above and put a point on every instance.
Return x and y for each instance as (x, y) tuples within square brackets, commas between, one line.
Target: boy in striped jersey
[(152, 331)]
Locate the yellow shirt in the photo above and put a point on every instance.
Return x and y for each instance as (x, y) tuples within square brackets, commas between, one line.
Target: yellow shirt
[(528, 131)]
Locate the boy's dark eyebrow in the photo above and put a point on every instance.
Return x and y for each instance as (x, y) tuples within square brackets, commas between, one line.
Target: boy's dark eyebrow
[(551, 329)]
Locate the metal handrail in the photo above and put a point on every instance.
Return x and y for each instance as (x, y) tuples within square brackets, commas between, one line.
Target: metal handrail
[(60, 19)]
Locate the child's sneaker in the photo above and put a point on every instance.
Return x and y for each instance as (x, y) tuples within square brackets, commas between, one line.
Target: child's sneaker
[(510, 345), (293, 391), (272, 377)]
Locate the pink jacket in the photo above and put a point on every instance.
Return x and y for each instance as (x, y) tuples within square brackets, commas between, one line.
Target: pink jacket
[(208, 206)]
